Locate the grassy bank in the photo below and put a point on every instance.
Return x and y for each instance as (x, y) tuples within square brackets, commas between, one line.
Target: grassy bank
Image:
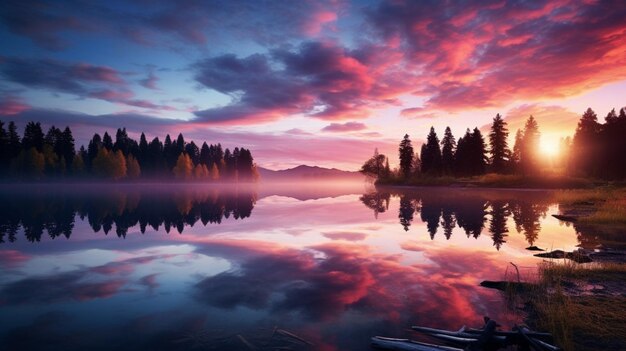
[(493, 180), (583, 306), (605, 206)]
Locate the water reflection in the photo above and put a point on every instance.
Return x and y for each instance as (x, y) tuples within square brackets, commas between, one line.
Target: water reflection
[(55, 212), (471, 210), (311, 261)]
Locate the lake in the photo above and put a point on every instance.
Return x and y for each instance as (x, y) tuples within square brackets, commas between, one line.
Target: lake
[(180, 267)]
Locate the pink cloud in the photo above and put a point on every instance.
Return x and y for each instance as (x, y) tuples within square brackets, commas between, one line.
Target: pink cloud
[(11, 105), (345, 127), (12, 258), (349, 236), (318, 21), (86, 71)]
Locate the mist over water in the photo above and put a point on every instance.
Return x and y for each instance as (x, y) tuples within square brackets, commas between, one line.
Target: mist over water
[(167, 267)]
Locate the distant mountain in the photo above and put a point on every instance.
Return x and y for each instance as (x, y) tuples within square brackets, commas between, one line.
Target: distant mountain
[(308, 173)]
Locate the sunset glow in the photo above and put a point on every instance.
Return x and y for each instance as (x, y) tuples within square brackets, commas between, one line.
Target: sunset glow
[(336, 75), (549, 147)]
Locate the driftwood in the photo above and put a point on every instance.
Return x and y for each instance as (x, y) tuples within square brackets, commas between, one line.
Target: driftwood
[(534, 248), (566, 218), (575, 256), (507, 286)]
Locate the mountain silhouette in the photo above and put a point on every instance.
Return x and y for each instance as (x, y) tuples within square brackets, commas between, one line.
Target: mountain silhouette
[(308, 173)]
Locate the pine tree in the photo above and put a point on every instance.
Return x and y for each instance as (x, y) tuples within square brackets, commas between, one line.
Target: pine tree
[(33, 137), (478, 153), (498, 145), (193, 152), (92, 150), (431, 154), (516, 155), (530, 147), (406, 156), (5, 159), (107, 142), (67, 148), (448, 148), (585, 144), (15, 145)]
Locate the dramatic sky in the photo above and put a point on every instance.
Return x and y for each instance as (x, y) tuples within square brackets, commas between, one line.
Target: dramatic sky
[(315, 82)]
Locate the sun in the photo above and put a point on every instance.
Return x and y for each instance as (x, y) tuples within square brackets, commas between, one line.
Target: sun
[(549, 147)]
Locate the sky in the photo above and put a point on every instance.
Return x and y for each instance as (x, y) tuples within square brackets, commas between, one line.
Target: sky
[(310, 82)]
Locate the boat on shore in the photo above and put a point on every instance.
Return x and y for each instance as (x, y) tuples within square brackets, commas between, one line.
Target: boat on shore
[(487, 338)]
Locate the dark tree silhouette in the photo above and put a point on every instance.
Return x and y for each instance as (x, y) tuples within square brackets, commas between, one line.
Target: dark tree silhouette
[(376, 201), (448, 148), (498, 145), (431, 154), (585, 144), (107, 142), (529, 159), (55, 155), (33, 137), (406, 211), (406, 156), (497, 224)]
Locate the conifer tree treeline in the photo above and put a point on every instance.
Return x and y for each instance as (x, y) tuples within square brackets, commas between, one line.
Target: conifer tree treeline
[(38, 156), (596, 150)]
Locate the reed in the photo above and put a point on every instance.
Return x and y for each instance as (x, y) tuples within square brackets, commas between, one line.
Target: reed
[(578, 321)]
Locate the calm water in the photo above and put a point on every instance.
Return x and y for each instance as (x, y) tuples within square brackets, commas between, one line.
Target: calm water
[(193, 267)]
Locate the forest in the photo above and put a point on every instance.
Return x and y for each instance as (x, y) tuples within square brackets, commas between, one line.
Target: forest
[(595, 151), (37, 156)]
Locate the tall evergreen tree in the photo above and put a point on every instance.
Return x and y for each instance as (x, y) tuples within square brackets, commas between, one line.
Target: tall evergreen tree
[(193, 152), (205, 155), (406, 156), (498, 145), (530, 146), (462, 157), (15, 144), (33, 136), (431, 154), (143, 151), (613, 145), (448, 148), (516, 155), (478, 153), (585, 145), (67, 148), (92, 150), (107, 142), (5, 158)]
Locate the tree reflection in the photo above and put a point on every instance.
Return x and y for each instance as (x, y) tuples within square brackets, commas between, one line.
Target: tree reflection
[(407, 209), (469, 210), (377, 201), (497, 224), (55, 213)]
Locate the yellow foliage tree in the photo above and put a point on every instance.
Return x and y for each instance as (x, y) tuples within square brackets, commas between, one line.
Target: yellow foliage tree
[(78, 165), (109, 164), (215, 173), (184, 167), (30, 163), (200, 172), (133, 170)]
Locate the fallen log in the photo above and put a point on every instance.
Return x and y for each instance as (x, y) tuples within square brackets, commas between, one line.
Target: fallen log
[(576, 256)]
